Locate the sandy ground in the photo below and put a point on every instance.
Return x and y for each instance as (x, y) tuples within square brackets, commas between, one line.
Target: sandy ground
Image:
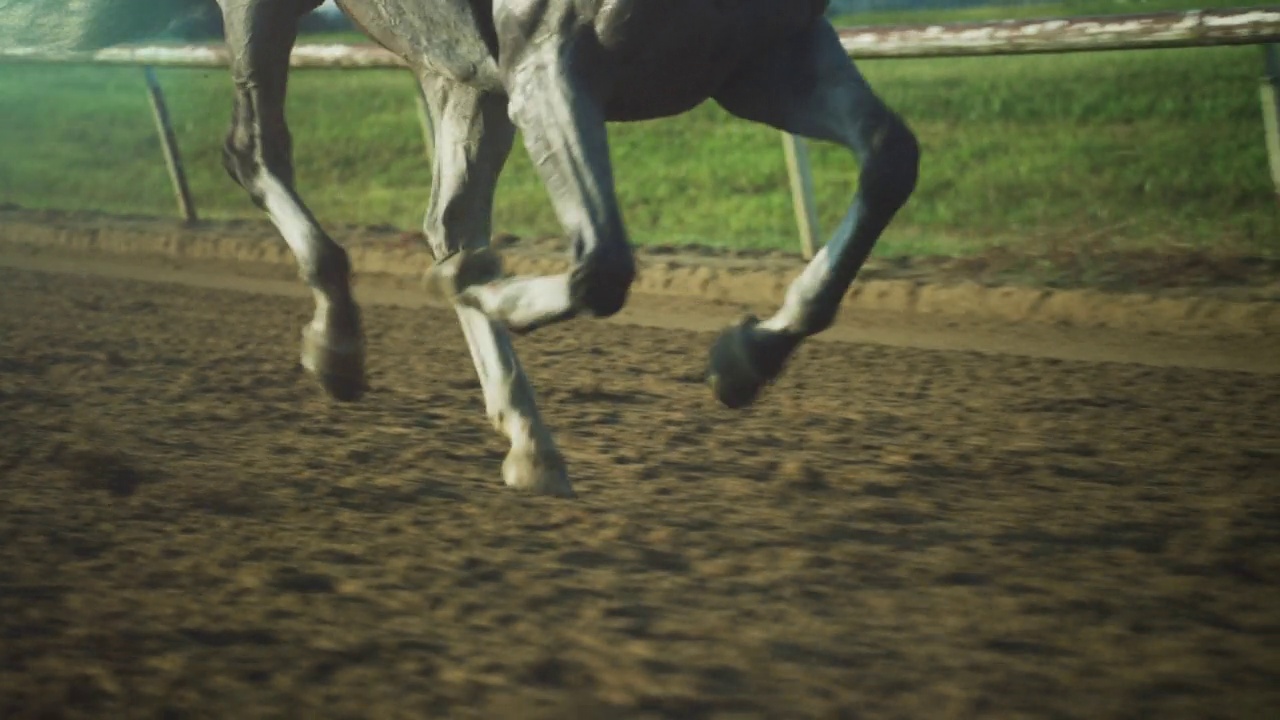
[(1084, 284), (917, 522)]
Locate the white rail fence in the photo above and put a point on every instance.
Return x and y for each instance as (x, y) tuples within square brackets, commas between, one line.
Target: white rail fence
[(1196, 28)]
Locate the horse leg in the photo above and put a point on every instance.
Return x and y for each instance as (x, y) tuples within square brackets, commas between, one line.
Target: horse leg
[(258, 155), (473, 137), (810, 87), (563, 128)]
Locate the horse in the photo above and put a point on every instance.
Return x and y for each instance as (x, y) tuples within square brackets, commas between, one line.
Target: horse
[(558, 71)]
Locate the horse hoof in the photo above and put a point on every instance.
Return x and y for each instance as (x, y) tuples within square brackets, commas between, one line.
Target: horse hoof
[(339, 368), (743, 360), (541, 473), (464, 269)]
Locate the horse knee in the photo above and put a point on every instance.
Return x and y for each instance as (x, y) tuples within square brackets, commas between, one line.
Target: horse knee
[(253, 147), (241, 165), (600, 282), (894, 165)]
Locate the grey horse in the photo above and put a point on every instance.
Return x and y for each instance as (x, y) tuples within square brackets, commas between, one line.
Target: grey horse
[(557, 70)]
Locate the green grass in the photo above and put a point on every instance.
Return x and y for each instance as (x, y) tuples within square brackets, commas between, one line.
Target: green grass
[(1149, 148)]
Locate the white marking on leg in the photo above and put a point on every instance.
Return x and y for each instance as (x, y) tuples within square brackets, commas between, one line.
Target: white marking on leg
[(508, 400), (289, 218), (299, 233), (522, 302), (533, 463), (805, 290)]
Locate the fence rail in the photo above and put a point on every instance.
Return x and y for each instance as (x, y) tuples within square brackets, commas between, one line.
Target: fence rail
[(1196, 28)]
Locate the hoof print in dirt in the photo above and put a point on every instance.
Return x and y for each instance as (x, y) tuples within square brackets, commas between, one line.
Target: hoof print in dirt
[(291, 579), (100, 470)]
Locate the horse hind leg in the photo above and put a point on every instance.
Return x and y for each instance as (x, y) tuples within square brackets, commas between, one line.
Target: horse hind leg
[(473, 137), (258, 155), (810, 87)]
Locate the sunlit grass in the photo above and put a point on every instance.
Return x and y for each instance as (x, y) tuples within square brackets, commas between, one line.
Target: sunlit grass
[(1138, 148)]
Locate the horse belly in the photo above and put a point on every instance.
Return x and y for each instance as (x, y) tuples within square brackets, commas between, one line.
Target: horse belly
[(652, 90), (440, 37), (666, 56)]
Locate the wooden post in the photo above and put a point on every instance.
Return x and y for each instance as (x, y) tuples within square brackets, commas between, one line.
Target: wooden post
[(1271, 109), (801, 175), (169, 143), (424, 119)]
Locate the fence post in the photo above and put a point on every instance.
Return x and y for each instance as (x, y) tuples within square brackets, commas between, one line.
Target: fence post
[(1271, 109), (801, 176), (169, 144)]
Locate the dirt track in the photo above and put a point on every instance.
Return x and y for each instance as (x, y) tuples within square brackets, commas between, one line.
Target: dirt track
[(1172, 290), (982, 529)]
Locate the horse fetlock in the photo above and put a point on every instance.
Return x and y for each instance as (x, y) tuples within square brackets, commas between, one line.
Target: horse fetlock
[(250, 149), (241, 165), (451, 276), (329, 270), (746, 358), (819, 317), (601, 285)]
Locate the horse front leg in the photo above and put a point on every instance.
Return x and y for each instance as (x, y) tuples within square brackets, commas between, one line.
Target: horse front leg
[(258, 155), (563, 128), (473, 137), (810, 87)]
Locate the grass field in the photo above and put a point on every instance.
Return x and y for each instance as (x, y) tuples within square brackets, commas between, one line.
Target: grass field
[(1123, 148)]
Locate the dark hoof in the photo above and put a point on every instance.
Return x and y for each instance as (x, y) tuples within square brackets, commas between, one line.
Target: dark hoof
[(601, 288), (744, 360), (339, 368), (539, 473), (477, 267)]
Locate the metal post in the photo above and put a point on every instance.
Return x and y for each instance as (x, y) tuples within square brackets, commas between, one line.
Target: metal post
[(801, 176), (1270, 90), (169, 143), (424, 119)]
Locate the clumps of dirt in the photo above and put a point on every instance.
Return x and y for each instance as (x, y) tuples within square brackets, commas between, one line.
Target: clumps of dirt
[(800, 475), (293, 579), (97, 469), (556, 672)]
